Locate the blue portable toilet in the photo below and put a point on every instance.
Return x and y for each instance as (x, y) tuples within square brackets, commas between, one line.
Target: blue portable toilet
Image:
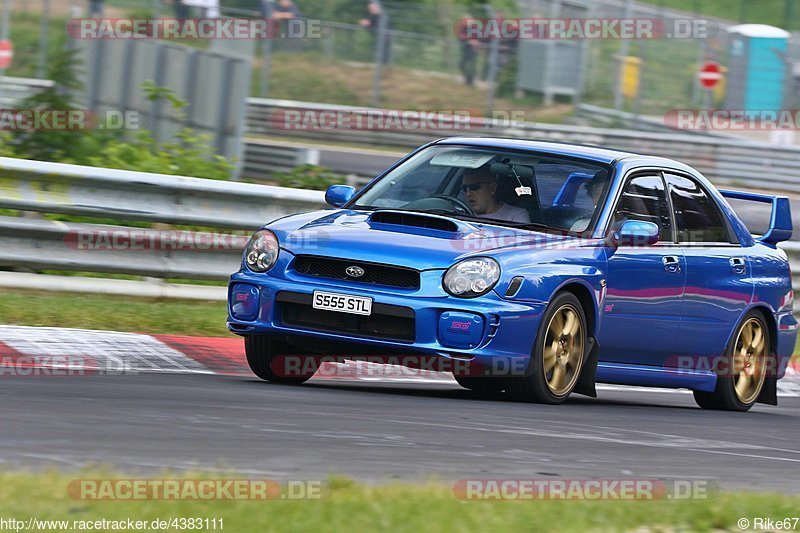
[(757, 67)]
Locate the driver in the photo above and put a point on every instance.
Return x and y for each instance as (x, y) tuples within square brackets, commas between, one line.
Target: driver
[(480, 189)]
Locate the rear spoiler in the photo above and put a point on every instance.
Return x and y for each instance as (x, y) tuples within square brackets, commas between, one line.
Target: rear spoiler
[(780, 222)]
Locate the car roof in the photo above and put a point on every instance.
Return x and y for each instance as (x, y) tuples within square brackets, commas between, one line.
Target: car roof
[(594, 153)]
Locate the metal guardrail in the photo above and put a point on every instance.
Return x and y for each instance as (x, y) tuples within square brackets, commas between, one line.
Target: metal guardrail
[(12, 90), (724, 160), (100, 192), (134, 196), (261, 159), (50, 245)]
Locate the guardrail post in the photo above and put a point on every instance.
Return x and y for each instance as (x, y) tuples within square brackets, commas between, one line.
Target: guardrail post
[(4, 34), (380, 54), (308, 157), (266, 49), (41, 64), (494, 57)]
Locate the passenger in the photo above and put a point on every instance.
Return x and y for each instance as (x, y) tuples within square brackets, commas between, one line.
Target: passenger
[(594, 188), (480, 189)]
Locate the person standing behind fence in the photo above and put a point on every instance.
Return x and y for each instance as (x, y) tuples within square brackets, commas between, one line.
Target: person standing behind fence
[(372, 22), (286, 13), (469, 51), (286, 10), (181, 9), (95, 8)]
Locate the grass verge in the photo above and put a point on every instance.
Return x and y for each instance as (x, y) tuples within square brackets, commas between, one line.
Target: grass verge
[(116, 313), (348, 506)]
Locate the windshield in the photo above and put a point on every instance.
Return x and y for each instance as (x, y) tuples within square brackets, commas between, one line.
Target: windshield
[(497, 186)]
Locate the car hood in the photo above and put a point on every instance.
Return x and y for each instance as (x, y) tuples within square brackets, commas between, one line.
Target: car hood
[(413, 240)]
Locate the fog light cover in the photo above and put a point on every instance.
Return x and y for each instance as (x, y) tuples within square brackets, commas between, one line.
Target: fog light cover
[(460, 330), (244, 302)]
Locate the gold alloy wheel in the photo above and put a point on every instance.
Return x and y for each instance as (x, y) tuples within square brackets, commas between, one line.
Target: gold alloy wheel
[(749, 361), (562, 352)]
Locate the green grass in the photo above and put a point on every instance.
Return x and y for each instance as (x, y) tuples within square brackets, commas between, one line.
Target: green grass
[(117, 313), (348, 506)]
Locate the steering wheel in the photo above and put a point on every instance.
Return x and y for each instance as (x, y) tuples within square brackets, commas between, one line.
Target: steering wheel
[(461, 207)]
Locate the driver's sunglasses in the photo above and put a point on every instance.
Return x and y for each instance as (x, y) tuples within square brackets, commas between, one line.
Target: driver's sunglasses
[(473, 186)]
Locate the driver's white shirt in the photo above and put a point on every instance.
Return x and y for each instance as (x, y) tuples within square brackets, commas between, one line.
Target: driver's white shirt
[(509, 213)]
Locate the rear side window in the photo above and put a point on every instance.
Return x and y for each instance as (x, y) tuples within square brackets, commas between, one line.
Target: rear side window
[(697, 216), (644, 198)]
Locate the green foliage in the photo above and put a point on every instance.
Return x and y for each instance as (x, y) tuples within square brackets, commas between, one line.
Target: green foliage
[(53, 145), (309, 177), (187, 154)]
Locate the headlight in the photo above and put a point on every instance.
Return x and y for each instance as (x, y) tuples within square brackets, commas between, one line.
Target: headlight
[(262, 251), (472, 277)]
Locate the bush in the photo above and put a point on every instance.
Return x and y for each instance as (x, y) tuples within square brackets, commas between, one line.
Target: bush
[(309, 177), (189, 154)]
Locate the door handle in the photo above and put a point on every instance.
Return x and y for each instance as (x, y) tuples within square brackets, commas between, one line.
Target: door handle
[(671, 263), (738, 265)]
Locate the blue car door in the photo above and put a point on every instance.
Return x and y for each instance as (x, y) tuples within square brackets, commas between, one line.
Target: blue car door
[(718, 282), (641, 310)]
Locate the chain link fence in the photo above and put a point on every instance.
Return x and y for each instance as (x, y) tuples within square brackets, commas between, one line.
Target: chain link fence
[(391, 53)]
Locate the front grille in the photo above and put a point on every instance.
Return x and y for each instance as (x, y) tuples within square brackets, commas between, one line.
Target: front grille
[(374, 273), (391, 322)]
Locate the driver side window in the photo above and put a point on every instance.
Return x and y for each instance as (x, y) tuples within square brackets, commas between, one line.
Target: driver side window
[(644, 198)]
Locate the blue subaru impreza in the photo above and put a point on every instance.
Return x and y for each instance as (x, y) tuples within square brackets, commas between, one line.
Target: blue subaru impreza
[(541, 268)]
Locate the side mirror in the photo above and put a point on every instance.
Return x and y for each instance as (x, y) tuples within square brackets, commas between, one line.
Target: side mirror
[(338, 195), (636, 233)]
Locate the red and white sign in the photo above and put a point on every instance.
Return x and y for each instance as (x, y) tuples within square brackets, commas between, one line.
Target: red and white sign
[(6, 53), (710, 75)]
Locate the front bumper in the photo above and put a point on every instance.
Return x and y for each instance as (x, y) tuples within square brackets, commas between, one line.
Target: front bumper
[(496, 331)]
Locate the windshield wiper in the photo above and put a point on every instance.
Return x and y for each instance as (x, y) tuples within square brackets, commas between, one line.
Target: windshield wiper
[(486, 220), (532, 225)]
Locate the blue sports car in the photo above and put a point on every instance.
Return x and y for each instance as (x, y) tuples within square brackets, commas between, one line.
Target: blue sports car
[(534, 268)]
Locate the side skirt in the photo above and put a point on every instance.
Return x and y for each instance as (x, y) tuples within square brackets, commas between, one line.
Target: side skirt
[(652, 376)]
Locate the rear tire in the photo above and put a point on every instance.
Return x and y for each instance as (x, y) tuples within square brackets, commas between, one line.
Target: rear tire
[(262, 351), (481, 384), (741, 376), (558, 354)]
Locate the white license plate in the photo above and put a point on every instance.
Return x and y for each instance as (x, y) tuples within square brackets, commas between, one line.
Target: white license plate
[(342, 303)]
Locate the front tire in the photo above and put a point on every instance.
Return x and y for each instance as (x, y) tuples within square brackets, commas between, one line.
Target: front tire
[(264, 357), (743, 369), (557, 356)]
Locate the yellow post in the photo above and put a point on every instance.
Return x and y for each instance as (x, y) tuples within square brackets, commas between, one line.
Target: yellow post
[(631, 69), (719, 90)]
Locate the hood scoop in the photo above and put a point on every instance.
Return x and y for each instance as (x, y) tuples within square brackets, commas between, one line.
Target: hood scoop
[(416, 220)]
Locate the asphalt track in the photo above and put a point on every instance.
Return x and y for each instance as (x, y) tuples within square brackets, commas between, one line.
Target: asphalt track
[(143, 423)]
